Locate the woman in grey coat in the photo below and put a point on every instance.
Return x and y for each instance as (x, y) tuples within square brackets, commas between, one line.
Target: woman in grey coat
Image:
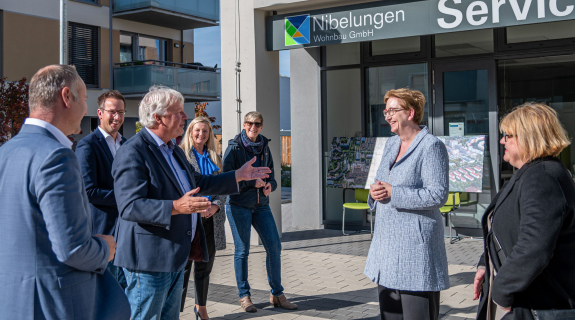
[(407, 258), (199, 144)]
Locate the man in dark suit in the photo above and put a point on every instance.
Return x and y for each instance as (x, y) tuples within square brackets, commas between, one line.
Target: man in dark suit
[(51, 266), (156, 191), (95, 153)]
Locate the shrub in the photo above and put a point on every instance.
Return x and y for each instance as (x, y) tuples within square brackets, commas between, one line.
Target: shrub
[(13, 107)]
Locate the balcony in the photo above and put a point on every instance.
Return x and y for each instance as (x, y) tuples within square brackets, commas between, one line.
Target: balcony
[(196, 83), (174, 14)]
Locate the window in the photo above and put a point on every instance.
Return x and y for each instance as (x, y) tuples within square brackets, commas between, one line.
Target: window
[(126, 48), (83, 52), (136, 47)]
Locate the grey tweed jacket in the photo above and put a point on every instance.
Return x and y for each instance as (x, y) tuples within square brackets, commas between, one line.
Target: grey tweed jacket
[(219, 217), (408, 250)]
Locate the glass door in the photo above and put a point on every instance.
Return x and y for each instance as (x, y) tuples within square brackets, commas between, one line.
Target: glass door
[(465, 96)]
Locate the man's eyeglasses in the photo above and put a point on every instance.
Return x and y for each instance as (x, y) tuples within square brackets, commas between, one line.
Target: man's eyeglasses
[(113, 113), (505, 136), (257, 124), (391, 112)]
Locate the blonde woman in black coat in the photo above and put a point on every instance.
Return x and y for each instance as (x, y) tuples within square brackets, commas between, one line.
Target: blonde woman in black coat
[(199, 145), (529, 227)]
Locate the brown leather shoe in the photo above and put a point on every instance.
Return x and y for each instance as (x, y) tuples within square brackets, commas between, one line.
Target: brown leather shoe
[(247, 305), (282, 301)]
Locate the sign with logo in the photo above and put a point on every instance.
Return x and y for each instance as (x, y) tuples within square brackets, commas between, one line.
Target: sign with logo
[(297, 30), (390, 19)]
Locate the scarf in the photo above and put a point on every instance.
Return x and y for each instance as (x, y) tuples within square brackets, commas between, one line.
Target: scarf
[(207, 166), (253, 147)]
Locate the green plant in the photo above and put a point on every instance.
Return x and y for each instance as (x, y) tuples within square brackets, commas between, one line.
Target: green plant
[(13, 107), (138, 126), (286, 176)]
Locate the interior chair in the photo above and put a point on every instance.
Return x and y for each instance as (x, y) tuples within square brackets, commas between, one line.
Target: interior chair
[(465, 200), (361, 196), (453, 202)]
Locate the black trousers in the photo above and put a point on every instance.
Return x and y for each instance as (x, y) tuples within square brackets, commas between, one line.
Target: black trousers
[(408, 305), (202, 270)]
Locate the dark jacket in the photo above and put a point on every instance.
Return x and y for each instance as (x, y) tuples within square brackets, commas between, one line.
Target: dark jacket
[(96, 163), (149, 237), (236, 156), (534, 223)]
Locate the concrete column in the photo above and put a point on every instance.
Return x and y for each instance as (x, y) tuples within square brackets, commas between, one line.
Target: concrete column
[(259, 84), (306, 157)]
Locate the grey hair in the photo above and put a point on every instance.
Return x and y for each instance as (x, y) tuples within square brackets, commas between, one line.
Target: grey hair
[(157, 101), (47, 83)]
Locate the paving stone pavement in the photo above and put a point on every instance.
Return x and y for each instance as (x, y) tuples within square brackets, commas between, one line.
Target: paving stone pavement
[(322, 271)]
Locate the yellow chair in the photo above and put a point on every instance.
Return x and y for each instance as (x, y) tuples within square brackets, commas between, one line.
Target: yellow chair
[(466, 200), (361, 196), (453, 202)]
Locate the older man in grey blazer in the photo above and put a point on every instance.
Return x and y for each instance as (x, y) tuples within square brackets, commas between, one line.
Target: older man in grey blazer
[(51, 267), (407, 256)]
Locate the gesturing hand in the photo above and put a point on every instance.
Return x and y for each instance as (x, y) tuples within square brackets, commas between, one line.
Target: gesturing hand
[(189, 204), (213, 209), (111, 244), (247, 172), (260, 183), (267, 189)]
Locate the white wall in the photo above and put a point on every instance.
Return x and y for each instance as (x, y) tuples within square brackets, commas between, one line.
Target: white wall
[(259, 89), (306, 138)]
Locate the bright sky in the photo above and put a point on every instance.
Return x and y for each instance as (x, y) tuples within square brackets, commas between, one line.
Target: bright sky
[(207, 49)]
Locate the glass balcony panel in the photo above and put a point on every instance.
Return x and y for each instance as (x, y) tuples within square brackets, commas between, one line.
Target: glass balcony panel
[(190, 82), (208, 9)]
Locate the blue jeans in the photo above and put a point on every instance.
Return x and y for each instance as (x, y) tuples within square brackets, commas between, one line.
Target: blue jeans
[(241, 219), (154, 295)]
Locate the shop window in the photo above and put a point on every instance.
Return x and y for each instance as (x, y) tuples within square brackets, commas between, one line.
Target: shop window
[(549, 80), (395, 46), (83, 52), (541, 32), (342, 54), (464, 43), (382, 79), (343, 116)]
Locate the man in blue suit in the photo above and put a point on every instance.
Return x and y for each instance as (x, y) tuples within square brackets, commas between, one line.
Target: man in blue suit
[(156, 191), (95, 153), (51, 267)]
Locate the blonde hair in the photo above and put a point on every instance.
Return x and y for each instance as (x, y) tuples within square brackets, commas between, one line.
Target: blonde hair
[(254, 115), (187, 143), (537, 130), (408, 99)]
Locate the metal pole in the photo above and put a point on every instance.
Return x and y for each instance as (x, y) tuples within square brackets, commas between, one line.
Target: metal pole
[(111, 48), (63, 32), (238, 96)]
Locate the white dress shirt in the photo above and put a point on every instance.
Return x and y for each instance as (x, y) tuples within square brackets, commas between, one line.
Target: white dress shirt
[(113, 145)]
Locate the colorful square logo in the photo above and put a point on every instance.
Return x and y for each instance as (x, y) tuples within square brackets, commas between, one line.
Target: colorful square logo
[(297, 30)]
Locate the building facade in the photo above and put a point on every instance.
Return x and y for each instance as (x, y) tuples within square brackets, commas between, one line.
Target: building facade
[(115, 44), (473, 60)]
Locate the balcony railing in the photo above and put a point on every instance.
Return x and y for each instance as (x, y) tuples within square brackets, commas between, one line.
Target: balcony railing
[(177, 14), (196, 83)]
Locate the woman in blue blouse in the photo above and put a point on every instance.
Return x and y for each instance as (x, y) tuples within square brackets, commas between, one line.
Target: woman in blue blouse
[(407, 258), (199, 144)]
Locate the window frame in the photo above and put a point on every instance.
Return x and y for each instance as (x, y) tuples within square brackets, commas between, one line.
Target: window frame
[(74, 59)]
